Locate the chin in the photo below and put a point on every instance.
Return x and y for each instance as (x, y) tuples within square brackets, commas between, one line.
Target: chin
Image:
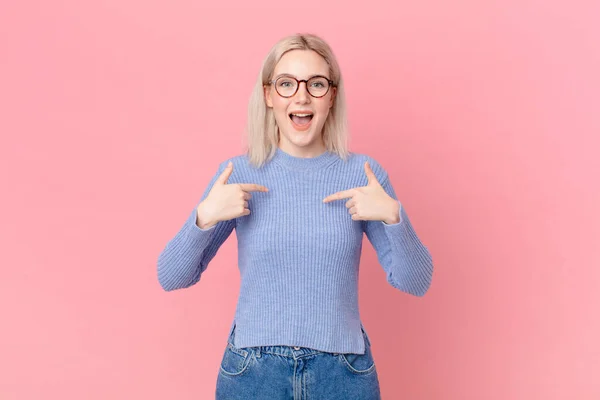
[(301, 138)]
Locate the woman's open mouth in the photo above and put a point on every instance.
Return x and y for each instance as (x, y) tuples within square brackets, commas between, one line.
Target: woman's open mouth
[(301, 121)]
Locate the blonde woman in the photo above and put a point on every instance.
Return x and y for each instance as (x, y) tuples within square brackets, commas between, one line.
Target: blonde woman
[(300, 203)]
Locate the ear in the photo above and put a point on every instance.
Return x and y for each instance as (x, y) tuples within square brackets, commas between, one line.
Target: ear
[(333, 93), (267, 91)]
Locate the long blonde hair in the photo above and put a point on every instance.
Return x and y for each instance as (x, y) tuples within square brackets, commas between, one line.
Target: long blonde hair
[(262, 131)]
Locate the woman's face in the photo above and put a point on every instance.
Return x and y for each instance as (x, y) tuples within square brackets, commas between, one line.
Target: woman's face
[(304, 138)]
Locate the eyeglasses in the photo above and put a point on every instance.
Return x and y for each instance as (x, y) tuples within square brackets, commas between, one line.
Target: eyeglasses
[(317, 86)]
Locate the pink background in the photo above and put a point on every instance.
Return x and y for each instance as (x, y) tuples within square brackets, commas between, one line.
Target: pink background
[(114, 116)]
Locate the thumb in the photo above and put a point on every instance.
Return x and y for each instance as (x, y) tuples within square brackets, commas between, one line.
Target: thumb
[(371, 178), (222, 179)]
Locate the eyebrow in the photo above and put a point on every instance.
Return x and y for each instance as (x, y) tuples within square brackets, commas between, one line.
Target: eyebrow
[(312, 76)]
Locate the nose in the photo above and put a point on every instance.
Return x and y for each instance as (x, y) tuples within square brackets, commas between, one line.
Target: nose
[(302, 95)]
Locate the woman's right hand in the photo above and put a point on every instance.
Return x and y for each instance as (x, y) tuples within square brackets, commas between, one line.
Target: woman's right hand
[(225, 201)]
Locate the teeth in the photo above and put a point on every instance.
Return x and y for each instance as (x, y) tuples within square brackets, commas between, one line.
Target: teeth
[(302, 115)]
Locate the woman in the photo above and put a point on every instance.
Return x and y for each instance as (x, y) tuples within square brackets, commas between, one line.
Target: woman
[(300, 203)]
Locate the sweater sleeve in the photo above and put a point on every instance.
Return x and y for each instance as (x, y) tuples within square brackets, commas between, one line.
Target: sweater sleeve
[(188, 253), (406, 261)]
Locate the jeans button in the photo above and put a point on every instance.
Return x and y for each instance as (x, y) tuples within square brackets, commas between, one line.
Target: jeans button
[(296, 348)]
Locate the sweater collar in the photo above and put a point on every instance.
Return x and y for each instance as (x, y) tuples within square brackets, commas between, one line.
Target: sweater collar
[(300, 163)]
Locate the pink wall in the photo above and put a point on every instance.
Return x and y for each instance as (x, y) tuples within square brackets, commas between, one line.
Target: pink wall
[(115, 114)]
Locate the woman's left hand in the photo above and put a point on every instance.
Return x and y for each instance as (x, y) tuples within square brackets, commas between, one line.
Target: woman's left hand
[(369, 203)]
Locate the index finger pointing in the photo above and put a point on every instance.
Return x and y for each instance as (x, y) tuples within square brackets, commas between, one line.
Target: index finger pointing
[(338, 196), (253, 187)]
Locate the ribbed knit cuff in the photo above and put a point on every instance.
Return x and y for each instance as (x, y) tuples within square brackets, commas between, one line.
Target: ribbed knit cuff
[(194, 235), (400, 215), (413, 257), (179, 261)]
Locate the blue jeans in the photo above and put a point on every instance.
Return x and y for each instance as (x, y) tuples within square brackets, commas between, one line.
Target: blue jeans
[(296, 373)]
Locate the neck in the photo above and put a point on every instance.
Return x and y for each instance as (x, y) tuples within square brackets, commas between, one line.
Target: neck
[(304, 163), (313, 150)]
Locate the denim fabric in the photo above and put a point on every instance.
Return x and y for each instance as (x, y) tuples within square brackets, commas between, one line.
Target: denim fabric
[(296, 373)]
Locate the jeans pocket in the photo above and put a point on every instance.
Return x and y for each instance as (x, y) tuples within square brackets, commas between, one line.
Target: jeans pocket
[(359, 364), (235, 360)]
